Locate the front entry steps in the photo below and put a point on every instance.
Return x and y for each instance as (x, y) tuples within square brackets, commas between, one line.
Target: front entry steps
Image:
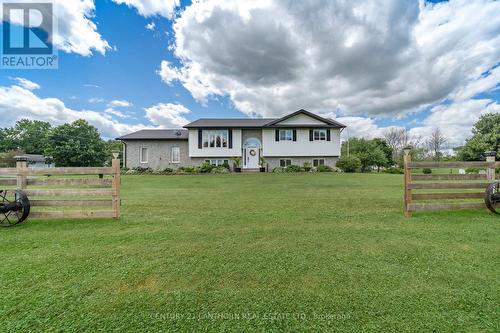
[(250, 170)]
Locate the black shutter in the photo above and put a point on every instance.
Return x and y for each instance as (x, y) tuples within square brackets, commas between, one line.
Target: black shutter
[(230, 137), (311, 135), (328, 137), (277, 135), (200, 139), (294, 135)]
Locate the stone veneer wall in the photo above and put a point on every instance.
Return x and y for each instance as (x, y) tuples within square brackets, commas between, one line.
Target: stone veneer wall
[(159, 153)]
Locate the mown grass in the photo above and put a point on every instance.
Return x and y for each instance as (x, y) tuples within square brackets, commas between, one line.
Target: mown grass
[(262, 252)]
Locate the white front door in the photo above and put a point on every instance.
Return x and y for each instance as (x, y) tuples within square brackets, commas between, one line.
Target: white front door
[(252, 158)]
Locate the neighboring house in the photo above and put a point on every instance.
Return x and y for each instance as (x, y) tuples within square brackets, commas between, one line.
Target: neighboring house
[(294, 139), (36, 161)]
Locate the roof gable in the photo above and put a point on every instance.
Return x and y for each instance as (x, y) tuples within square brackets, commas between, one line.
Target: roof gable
[(229, 123), (304, 118)]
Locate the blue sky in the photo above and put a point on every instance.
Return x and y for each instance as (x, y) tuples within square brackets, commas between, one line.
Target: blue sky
[(126, 74), (407, 63)]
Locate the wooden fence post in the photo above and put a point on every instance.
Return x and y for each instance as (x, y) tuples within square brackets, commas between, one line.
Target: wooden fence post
[(21, 166), (490, 171), (115, 164), (407, 176)]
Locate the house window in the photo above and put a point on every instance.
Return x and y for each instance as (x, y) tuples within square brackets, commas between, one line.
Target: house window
[(319, 135), (217, 162), (318, 162), (215, 139), (176, 155), (286, 135), (285, 163), (143, 155)]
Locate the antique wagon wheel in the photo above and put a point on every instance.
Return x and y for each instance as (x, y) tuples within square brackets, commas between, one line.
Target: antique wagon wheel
[(14, 207), (492, 197)]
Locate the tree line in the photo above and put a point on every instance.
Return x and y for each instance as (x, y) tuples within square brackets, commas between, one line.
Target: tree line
[(80, 144), (74, 144), (363, 155)]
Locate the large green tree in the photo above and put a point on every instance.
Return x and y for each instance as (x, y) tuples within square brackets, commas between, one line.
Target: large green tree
[(368, 151), (77, 144), (388, 151), (113, 145), (485, 137), (27, 135)]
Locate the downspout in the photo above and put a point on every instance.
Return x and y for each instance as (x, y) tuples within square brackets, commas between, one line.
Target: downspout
[(124, 154)]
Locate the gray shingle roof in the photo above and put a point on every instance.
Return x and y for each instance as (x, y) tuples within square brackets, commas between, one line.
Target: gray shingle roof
[(229, 122), (182, 134), (157, 134), (260, 122)]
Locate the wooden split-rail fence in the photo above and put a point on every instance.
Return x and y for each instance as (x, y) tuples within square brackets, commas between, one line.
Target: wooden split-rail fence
[(77, 192), (427, 192)]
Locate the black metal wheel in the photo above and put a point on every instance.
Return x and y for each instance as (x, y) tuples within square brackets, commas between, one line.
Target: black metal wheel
[(492, 197), (14, 207)]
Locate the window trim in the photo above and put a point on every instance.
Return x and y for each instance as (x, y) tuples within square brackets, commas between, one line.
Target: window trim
[(178, 155), (318, 162), (215, 162), (141, 155), (285, 136), (286, 162), (208, 134), (320, 132)]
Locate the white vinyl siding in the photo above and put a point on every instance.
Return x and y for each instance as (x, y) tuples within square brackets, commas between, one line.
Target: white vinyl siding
[(212, 153), (302, 147)]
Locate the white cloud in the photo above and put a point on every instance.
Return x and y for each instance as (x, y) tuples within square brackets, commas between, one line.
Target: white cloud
[(364, 57), (75, 32), (455, 120), (167, 115), (91, 85), (165, 8), (151, 26), (27, 84), (119, 103), (360, 127), (96, 100), (116, 113), (169, 73), (17, 103)]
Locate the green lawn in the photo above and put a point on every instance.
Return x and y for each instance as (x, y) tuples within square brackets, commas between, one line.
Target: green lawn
[(257, 252)]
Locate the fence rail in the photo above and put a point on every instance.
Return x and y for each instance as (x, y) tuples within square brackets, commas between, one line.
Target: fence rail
[(87, 197), (486, 164), (65, 171), (469, 183)]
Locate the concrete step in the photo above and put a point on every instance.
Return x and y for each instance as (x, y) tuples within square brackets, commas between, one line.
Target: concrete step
[(251, 170)]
